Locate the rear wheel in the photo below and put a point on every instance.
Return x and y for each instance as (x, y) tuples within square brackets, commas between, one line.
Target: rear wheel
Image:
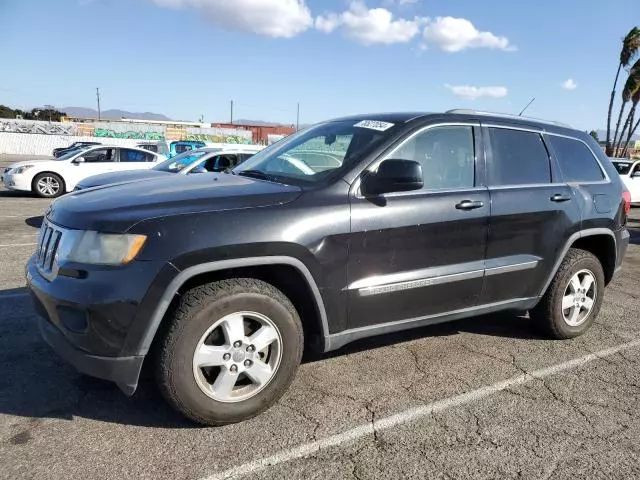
[(572, 301), (231, 350), (48, 185)]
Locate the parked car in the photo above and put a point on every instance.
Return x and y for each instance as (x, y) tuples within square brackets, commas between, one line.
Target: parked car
[(159, 146), (202, 160), (58, 152), (181, 146), (426, 218), (629, 171), (52, 178)]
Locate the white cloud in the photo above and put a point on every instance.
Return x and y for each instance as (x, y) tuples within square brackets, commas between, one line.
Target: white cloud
[(370, 26), (569, 84), (271, 18), (469, 92), (456, 34)]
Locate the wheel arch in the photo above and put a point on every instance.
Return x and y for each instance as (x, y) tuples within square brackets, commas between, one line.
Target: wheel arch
[(599, 241), (189, 277), (44, 172)]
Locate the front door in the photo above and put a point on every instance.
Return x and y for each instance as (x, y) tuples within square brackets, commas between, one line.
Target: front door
[(96, 161), (533, 214), (417, 254)]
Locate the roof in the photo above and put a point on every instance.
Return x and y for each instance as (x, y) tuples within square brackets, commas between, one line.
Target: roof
[(464, 114)]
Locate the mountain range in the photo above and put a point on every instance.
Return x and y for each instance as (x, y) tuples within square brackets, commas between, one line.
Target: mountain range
[(116, 114)]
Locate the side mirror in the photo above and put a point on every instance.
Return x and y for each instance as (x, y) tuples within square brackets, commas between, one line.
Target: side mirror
[(78, 160), (393, 176)]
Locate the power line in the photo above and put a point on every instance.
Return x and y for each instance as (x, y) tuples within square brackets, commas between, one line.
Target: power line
[(98, 97)]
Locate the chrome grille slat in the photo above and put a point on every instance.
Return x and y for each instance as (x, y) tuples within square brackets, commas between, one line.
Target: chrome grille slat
[(45, 245), (48, 244), (53, 246)]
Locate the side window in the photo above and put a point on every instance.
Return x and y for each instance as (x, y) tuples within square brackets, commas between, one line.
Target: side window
[(127, 155), (519, 158), (447, 156), (151, 148), (576, 160), (183, 148), (244, 157), (636, 169), (101, 155)]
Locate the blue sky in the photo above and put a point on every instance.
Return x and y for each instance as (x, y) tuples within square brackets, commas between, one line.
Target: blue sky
[(187, 58)]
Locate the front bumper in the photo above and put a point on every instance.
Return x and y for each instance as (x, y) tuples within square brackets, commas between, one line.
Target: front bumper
[(123, 371), (95, 321), (16, 182)]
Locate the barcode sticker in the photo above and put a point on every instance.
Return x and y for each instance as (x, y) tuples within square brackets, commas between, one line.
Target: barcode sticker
[(374, 125)]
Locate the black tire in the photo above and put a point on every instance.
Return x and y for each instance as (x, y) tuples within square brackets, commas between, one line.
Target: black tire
[(196, 312), (549, 313), (55, 179)]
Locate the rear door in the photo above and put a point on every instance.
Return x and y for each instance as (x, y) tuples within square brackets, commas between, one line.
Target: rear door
[(533, 213), (130, 159)]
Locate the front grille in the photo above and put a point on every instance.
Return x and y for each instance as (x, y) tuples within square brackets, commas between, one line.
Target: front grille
[(47, 247)]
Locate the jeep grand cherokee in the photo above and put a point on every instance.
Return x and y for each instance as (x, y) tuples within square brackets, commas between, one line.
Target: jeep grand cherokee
[(354, 227)]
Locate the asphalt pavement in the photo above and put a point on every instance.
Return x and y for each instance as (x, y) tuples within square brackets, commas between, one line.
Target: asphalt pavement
[(482, 398)]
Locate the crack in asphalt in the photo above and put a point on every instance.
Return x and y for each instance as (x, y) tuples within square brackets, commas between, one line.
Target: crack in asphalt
[(302, 414)]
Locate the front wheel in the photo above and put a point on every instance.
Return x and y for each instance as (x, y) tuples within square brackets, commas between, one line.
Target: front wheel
[(48, 185), (230, 351), (572, 301)]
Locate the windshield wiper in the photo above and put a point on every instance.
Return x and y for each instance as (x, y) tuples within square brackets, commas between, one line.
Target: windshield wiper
[(256, 174)]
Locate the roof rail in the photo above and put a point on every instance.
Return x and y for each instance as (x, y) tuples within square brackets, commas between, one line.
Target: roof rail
[(465, 111)]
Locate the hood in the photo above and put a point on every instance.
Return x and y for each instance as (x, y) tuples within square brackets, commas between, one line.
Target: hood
[(35, 161), (120, 177), (116, 208)]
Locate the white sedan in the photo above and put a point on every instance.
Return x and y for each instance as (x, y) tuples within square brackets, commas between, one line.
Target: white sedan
[(52, 178), (629, 170)]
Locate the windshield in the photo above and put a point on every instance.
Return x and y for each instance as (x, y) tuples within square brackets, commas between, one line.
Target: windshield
[(312, 155), (72, 153), (622, 167), (180, 162)]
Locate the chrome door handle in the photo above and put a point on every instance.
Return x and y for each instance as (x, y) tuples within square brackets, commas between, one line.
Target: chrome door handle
[(469, 205), (558, 197)]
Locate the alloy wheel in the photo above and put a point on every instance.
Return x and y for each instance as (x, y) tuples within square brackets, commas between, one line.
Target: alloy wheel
[(48, 186), (579, 298), (237, 357)]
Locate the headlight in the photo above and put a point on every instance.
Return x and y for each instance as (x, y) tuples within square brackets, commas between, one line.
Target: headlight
[(23, 168), (106, 248)]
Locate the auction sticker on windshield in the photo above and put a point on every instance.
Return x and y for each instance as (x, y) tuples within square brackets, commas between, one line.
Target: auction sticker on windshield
[(374, 125)]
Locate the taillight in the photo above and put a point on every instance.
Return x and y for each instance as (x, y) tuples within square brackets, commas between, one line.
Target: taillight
[(627, 202)]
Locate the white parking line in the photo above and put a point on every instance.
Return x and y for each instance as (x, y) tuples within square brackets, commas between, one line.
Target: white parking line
[(412, 415), (18, 245)]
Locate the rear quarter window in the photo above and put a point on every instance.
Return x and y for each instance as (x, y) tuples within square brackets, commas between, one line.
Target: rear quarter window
[(576, 160)]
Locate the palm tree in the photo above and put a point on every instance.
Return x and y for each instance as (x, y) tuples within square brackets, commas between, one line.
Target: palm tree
[(629, 93), (630, 47), (635, 99)]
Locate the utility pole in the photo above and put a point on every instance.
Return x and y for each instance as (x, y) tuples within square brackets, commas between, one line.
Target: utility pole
[(231, 112), (526, 106), (298, 118), (98, 97)]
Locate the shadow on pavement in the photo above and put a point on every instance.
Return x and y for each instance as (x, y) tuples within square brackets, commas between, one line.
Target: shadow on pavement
[(35, 222), (16, 194), (36, 383)]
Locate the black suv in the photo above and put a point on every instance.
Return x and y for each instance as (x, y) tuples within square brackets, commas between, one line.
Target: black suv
[(354, 227)]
